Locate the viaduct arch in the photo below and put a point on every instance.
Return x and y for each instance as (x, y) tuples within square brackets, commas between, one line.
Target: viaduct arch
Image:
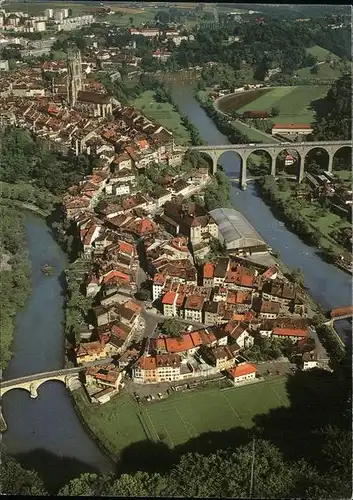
[(245, 150), (31, 383)]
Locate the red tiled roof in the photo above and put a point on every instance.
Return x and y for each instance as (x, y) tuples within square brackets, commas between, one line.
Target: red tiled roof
[(290, 332), (208, 270), (242, 369), (291, 126), (169, 298), (116, 275)]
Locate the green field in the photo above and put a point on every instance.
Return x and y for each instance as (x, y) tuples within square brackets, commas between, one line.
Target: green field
[(252, 133), (162, 113), (325, 72), (39, 7), (321, 53), (182, 416), (293, 102), (326, 223)]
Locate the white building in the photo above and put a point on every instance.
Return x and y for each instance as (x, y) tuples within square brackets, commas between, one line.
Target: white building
[(49, 13), (40, 26), (4, 65), (244, 372)]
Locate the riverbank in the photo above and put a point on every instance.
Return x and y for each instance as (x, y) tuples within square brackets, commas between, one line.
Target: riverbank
[(290, 213), (15, 282)]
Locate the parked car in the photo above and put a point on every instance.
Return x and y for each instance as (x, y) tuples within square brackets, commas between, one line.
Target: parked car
[(160, 395)]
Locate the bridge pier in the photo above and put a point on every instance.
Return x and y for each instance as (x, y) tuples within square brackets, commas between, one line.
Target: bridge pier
[(330, 162), (3, 424), (34, 391)]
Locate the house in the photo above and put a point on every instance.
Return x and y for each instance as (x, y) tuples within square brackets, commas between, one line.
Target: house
[(267, 309), (240, 334), (90, 351), (290, 333), (102, 376), (191, 220), (213, 312), (156, 368), (169, 304), (222, 357), (309, 361), (244, 372), (208, 273), (292, 129), (193, 308), (157, 287)]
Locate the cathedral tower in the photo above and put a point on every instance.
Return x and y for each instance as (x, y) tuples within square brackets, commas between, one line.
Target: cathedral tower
[(74, 74)]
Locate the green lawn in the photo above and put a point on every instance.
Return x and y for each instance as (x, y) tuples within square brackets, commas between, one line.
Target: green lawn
[(162, 113), (325, 72), (324, 224), (292, 101), (321, 53), (138, 17), (182, 416)]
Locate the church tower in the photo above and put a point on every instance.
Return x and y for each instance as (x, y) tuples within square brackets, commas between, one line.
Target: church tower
[(74, 74)]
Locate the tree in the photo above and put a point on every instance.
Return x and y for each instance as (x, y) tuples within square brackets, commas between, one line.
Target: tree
[(171, 328), (275, 111), (18, 481)]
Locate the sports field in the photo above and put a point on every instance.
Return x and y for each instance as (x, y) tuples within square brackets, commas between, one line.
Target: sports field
[(182, 416), (293, 102)]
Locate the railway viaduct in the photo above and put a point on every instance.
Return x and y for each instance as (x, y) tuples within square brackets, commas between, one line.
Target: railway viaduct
[(245, 150)]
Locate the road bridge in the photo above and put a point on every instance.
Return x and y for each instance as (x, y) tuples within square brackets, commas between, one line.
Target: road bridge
[(273, 149), (31, 383)]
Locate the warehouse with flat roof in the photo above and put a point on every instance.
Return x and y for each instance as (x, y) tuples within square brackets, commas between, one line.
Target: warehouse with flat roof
[(236, 232)]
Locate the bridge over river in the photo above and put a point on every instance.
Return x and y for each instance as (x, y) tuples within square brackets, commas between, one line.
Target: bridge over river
[(31, 383), (245, 150)]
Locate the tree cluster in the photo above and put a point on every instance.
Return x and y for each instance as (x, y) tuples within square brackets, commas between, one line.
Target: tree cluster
[(14, 275), (333, 119), (25, 160)]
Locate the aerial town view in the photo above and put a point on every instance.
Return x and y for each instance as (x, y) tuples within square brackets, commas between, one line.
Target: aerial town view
[(176, 249)]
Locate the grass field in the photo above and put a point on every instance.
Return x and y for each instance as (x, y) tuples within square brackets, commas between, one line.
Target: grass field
[(321, 53), (252, 133), (39, 7), (182, 416), (293, 102), (324, 224), (162, 113), (325, 72)]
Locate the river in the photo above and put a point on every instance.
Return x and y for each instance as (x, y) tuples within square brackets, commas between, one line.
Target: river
[(45, 433), (327, 284)]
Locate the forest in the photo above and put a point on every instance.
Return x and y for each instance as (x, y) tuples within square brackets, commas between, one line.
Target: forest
[(333, 118), (25, 160)]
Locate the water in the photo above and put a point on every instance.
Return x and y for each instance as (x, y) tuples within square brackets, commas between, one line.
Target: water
[(45, 433), (327, 284)]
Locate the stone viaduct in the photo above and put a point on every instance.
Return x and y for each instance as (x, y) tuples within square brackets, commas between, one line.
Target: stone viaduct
[(245, 150), (31, 383)]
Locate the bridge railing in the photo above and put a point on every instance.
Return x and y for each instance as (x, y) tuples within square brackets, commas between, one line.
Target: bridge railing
[(37, 376)]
